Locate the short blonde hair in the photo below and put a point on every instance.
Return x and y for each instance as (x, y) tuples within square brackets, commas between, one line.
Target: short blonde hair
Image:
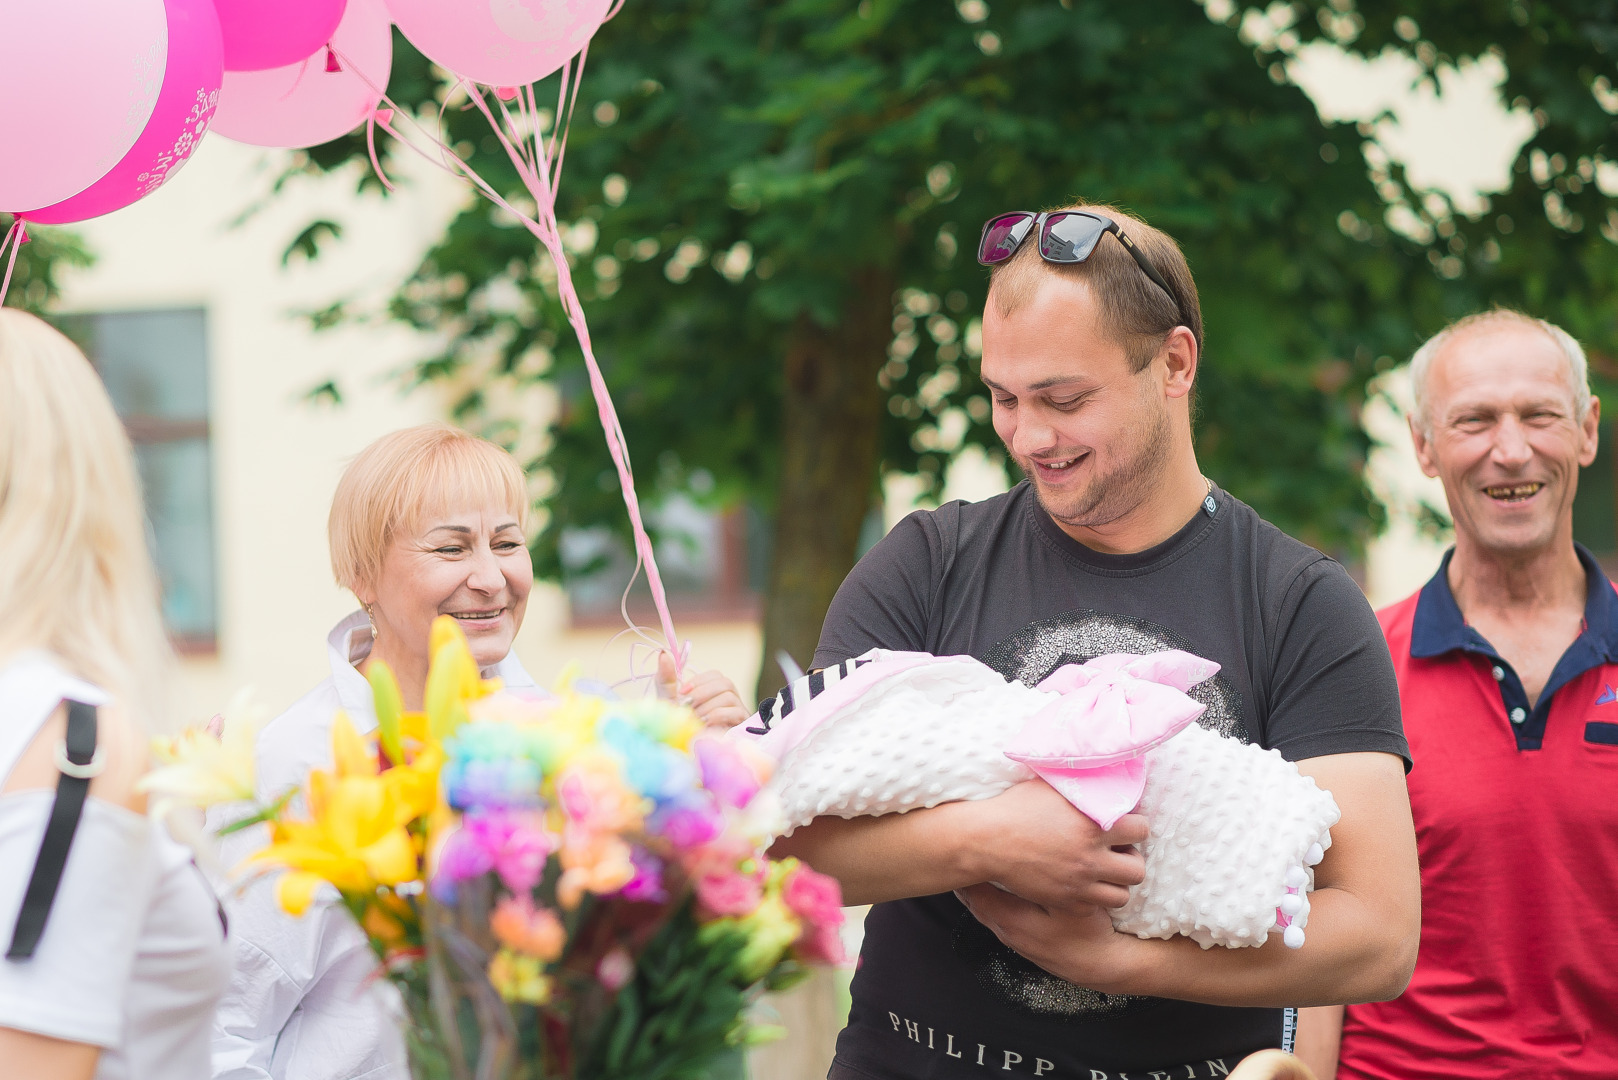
[(1578, 368), (406, 476), (76, 577)]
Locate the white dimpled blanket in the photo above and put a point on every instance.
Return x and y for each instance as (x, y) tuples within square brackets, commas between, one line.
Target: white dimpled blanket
[(1233, 828)]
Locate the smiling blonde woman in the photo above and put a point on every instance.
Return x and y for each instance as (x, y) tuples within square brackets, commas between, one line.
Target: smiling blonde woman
[(120, 979), (426, 521)]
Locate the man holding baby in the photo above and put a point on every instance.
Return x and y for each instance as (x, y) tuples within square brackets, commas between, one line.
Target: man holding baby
[(1115, 543)]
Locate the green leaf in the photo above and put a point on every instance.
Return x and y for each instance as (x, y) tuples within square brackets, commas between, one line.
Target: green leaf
[(389, 708), (268, 813), (307, 243)]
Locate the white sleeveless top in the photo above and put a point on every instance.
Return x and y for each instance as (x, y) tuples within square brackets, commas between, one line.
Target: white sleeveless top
[(133, 958)]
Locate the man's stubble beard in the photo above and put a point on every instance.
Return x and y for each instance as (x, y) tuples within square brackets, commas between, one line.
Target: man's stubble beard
[(1131, 482)]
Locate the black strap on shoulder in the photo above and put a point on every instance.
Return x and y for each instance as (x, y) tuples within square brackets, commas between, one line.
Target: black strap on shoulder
[(77, 766)]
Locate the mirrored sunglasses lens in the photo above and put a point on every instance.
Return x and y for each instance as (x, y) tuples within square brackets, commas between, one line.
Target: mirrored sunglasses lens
[(1001, 237), (1069, 238)]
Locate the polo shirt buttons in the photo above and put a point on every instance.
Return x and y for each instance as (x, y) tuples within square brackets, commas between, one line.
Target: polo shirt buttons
[(1518, 716), (1498, 672)]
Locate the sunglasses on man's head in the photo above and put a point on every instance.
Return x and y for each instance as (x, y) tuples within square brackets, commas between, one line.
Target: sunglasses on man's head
[(1065, 236)]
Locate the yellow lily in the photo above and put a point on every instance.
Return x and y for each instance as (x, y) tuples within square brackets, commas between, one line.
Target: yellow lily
[(453, 680), (200, 769), (355, 837)]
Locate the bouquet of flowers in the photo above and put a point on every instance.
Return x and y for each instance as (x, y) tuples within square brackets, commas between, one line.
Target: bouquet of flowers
[(564, 889)]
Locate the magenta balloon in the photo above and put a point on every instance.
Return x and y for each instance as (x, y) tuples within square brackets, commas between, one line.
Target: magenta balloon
[(184, 107), (264, 34), (78, 80), (499, 42), (303, 104)]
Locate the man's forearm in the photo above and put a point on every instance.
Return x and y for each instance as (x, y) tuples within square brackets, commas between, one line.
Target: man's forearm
[(1350, 956), (1028, 838), (1364, 918), (889, 857)]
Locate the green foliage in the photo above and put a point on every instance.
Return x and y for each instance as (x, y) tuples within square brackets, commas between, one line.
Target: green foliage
[(736, 166), (307, 243), (36, 282), (680, 1012), (682, 1016), (1549, 244)]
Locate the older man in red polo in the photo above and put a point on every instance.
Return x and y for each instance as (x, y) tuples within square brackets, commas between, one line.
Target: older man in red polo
[(1508, 666)]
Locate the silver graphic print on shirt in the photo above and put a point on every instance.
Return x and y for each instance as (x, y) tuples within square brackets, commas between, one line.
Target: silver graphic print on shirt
[(1030, 656)]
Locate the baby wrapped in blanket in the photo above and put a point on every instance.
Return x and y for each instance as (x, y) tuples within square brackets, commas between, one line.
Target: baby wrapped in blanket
[(1233, 829)]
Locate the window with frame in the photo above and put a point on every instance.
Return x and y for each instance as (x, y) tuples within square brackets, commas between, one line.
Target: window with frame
[(713, 565), (154, 364)]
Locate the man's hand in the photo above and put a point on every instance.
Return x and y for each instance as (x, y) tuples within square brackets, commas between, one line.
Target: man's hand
[(714, 697), (1364, 916), (1029, 839), (1039, 847), (1076, 943)]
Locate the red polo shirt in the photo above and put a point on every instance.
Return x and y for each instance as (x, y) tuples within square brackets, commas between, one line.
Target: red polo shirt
[(1516, 812)]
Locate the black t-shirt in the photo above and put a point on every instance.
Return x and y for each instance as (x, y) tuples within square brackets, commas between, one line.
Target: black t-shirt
[(1303, 669)]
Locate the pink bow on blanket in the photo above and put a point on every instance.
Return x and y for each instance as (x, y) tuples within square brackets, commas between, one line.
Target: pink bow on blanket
[(1091, 743)]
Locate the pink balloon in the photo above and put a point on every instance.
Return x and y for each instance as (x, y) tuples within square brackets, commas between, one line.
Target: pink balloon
[(78, 81), (304, 104), (499, 42), (264, 34), (184, 107)]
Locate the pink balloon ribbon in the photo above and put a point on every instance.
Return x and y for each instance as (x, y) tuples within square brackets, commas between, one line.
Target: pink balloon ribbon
[(16, 236), (1090, 743), (539, 166)]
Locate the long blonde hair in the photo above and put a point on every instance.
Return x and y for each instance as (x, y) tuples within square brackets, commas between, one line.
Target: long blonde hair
[(76, 577)]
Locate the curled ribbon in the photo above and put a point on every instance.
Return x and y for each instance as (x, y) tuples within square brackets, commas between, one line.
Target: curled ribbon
[(538, 164), (1090, 743)]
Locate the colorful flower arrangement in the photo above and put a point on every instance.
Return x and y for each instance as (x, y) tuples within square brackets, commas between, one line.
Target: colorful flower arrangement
[(573, 888)]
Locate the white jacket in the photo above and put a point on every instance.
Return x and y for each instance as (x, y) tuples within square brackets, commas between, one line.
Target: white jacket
[(305, 1002)]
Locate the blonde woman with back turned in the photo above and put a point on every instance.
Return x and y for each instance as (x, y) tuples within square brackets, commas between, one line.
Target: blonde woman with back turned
[(122, 976)]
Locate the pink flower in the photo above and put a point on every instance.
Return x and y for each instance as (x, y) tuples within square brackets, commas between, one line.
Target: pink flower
[(726, 772), (813, 896), (518, 843), (647, 884), (818, 901), (513, 844), (720, 856), (615, 970), (821, 945), (729, 894), (691, 825), (594, 797)]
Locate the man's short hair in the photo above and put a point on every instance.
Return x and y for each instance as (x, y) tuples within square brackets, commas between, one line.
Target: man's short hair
[(1133, 309), (1578, 368), (407, 476)]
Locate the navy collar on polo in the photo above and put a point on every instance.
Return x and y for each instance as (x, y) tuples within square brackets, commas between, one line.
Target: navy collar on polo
[(1439, 627)]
